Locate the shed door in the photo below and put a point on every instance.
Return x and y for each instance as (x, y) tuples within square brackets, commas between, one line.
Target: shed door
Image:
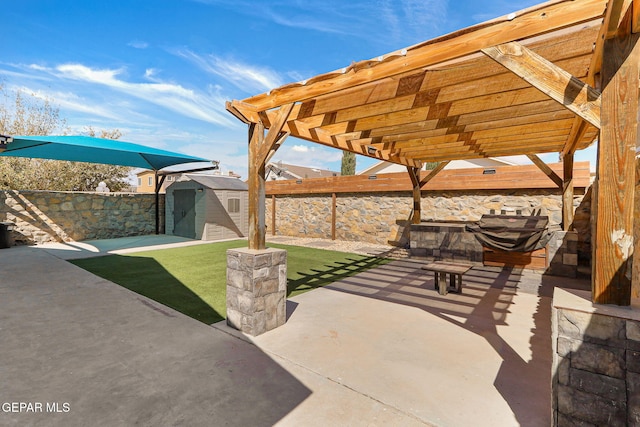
[(184, 213)]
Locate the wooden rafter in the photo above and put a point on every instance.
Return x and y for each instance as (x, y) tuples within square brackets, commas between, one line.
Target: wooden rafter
[(547, 18), (550, 79), (302, 130), (242, 111)]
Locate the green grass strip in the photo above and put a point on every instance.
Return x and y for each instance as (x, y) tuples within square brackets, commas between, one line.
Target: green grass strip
[(192, 279)]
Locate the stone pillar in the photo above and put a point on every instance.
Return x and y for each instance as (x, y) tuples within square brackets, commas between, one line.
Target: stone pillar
[(596, 362), (256, 289)]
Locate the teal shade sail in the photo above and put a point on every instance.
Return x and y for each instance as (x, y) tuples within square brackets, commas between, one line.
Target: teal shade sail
[(95, 150)]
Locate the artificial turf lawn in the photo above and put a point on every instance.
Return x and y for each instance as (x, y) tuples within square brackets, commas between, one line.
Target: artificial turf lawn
[(192, 279)]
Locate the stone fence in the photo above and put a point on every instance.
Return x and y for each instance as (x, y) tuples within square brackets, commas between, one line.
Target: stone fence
[(380, 217), (376, 208), (47, 216)]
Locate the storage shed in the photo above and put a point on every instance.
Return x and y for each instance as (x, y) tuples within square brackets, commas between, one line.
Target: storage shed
[(207, 207)]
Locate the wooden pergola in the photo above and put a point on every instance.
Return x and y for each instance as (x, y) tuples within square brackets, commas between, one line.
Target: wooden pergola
[(551, 78)]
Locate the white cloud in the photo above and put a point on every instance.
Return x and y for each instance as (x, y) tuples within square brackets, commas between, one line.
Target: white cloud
[(138, 44), (308, 155), (71, 101), (395, 21), (208, 107), (250, 78), (150, 74)]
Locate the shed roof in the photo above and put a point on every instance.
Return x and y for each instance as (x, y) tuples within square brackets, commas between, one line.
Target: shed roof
[(219, 182), (480, 92)]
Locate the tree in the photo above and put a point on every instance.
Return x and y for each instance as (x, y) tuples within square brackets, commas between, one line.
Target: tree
[(430, 165), (348, 163), (24, 114)]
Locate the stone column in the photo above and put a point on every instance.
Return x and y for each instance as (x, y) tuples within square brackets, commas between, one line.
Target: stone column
[(596, 362), (256, 289)]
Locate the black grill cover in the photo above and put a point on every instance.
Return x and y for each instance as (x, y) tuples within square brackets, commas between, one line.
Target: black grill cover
[(511, 233)]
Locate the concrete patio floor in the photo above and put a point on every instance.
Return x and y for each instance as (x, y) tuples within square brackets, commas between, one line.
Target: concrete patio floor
[(380, 348)]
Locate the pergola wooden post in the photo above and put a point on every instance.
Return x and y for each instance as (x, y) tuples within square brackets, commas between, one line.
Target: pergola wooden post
[(248, 286), (613, 235), (567, 192), (261, 149), (256, 182), (565, 184), (414, 174)]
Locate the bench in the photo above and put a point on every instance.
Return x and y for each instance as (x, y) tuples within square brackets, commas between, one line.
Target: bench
[(453, 269)]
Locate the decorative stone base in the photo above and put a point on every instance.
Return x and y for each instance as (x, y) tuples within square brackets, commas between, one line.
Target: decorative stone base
[(256, 289), (563, 254), (596, 362), (447, 241), (450, 241)]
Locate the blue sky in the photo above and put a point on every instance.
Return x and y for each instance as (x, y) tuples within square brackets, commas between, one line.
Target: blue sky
[(161, 70)]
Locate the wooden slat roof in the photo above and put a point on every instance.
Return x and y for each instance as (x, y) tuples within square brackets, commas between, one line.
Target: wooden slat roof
[(448, 99)]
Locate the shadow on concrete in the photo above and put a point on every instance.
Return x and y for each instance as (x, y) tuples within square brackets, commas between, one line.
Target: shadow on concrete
[(145, 276), (73, 340), (483, 306)]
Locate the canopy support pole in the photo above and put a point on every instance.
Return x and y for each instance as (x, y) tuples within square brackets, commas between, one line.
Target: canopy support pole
[(158, 187)]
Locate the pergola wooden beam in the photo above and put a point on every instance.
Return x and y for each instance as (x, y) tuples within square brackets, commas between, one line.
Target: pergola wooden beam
[(546, 169), (614, 196), (565, 184), (550, 17), (550, 79), (302, 130), (435, 171), (275, 136), (244, 112)]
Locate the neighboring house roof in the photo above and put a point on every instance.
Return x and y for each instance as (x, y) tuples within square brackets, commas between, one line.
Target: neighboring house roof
[(387, 167), (219, 182), (287, 171)]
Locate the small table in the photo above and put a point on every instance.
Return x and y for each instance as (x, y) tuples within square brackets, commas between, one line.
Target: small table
[(453, 269)]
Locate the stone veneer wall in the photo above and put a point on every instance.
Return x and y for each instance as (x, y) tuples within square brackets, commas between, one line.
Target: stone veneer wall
[(596, 362), (47, 216), (374, 217), (452, 242)]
